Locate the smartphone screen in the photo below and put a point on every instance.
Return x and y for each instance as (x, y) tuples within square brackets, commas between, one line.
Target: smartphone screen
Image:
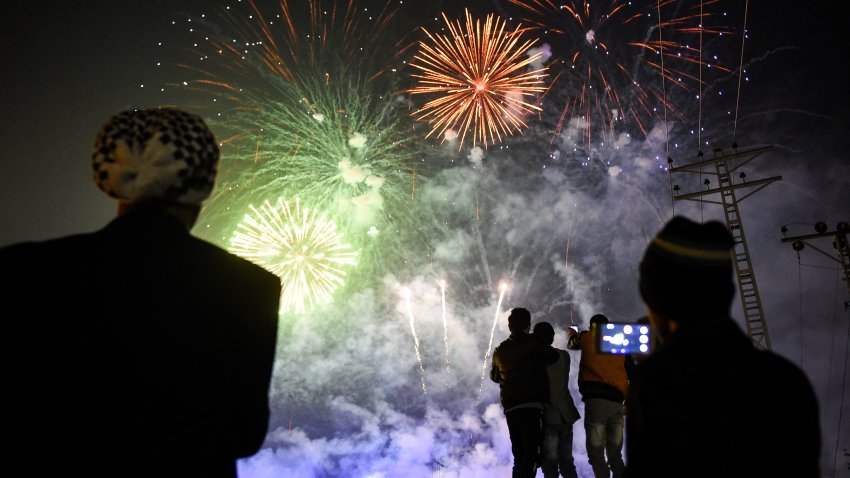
[(624, 338)]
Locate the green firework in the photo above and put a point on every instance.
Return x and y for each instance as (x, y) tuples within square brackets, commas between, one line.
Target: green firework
[(337, 146), (305, 109)]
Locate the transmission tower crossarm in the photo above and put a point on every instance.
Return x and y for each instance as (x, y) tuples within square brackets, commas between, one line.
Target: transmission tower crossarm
[(840, 242), (759, 182), (697, 166)]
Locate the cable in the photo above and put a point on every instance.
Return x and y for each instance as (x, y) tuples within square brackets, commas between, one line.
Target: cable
[(699, 115), (841, 408), (740, 72), (664, 104), (800, 302)]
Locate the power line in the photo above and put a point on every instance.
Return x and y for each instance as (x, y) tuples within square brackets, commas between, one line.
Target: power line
[(740, 72)]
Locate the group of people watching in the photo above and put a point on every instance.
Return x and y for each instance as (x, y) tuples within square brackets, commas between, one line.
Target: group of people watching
[(704, 403), (141, 351)]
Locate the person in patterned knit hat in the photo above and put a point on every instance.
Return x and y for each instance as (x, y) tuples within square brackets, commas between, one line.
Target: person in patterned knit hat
[(706, 402), (138, 349)]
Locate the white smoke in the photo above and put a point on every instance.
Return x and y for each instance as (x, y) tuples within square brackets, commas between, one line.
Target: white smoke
[(476, 156), (540, 56)]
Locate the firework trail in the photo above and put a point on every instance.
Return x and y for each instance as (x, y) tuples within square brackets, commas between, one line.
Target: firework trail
[(405, 294), (480, 73), (445, 323), (299, 246), (617, 56), (502, 288)]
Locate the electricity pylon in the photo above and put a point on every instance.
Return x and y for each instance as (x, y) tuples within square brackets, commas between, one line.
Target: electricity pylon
[(725, 195), (839, 242)]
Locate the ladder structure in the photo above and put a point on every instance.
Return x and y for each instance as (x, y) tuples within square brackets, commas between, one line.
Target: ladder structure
[(725, 194)]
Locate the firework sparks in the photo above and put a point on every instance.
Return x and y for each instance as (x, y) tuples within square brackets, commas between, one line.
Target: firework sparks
[(445, 324), (302, 95), (405, 294), (614, 58), (502, 288), (299, 246), (481, 74), (285, 40)]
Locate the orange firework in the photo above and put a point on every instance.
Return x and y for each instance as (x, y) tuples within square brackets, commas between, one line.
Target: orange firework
[(483, 76)]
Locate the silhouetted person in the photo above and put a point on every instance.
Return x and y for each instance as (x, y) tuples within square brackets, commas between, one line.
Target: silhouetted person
[(603, 380), (706, 403), (138, 350), (559, 413), (519, 367)]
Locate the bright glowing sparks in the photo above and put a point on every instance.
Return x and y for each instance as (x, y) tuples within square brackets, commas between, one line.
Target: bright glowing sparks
[(299, 246), (308, 107), (502, 288), (482, 78), (445, 324), (405, 294)]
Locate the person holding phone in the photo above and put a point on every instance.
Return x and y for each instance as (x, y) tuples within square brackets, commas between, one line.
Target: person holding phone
[(706, 402), (603, 380)]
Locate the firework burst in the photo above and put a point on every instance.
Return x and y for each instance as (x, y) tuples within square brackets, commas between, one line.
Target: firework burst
[(303, 105), (481, 76), (623, 61), (298, 245)]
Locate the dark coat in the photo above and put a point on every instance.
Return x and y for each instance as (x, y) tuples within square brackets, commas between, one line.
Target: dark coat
[(519, 367), (706, 403), (137, 350)]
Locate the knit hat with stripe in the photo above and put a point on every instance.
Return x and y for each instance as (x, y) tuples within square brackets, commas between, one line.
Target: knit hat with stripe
[(686, 272)]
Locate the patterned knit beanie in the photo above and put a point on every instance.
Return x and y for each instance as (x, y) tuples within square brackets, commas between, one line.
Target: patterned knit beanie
[(155, 155), (686, 272)]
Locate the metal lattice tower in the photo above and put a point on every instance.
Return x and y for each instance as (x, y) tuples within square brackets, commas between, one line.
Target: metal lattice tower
[(725, 195)]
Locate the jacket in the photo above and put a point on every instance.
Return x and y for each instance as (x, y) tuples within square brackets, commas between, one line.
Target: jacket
[(561, 408), (139, 351), (600, 375), (706, 403), (519, 367)]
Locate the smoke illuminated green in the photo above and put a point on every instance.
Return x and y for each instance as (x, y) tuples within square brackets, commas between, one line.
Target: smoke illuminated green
[(334, 144), (302, 247)]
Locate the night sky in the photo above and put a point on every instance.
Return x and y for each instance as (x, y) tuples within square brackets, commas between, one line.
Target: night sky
[(67, 68)]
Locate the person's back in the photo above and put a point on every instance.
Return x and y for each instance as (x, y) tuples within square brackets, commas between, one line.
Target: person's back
[(600, 375), (139, 351), (559, 413), (521, 372), (706, 403), (603, 380), (519, 367)]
